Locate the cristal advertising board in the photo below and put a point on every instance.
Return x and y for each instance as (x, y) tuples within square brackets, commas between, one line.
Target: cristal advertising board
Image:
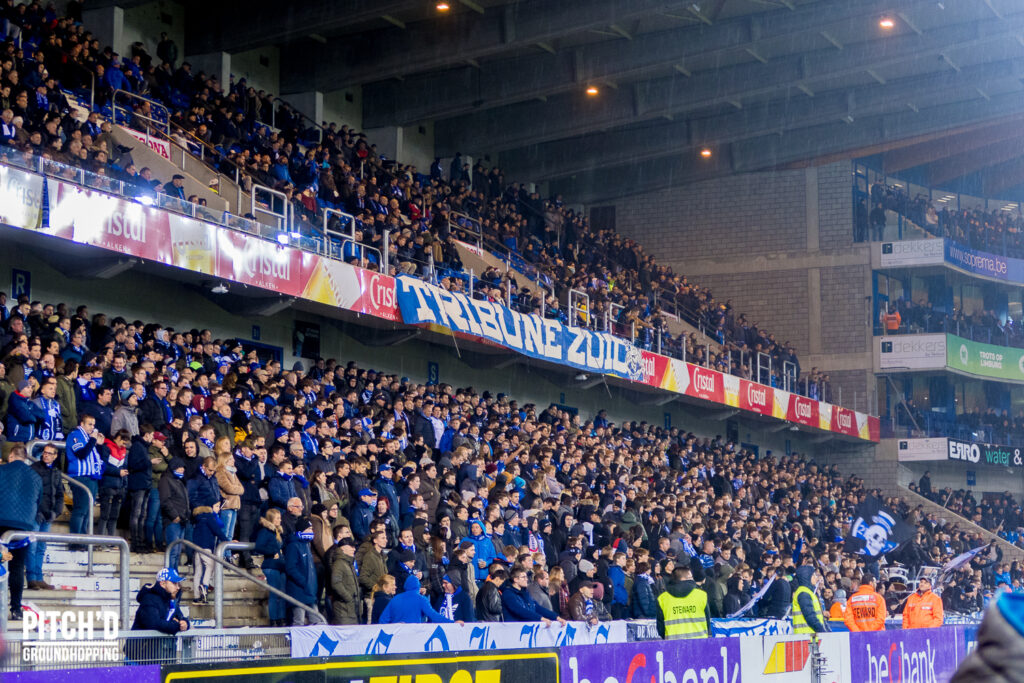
[(912, 352), (495, 666), (985, 454), (984, 360)]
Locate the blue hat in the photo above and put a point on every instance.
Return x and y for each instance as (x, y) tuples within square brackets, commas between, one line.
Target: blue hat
[(168, 574), (367, 492), (384, 467)]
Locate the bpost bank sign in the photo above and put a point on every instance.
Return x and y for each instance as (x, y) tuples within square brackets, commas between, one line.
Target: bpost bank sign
[(985, 454)]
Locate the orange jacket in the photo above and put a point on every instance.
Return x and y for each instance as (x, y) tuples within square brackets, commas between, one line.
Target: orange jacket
[(837, 612), (922, 611), (865, 610)]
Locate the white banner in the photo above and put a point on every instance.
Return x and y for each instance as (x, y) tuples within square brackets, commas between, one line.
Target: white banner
[(336, 641), (912, 352), (750, 627), (789, 659), (911, 253), (910, 450), (158, 145)]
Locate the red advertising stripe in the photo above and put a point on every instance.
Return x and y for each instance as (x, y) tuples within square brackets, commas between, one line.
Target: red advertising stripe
[(705, 384), (376, 295), (844, 421), (803, 411), (116, 224), (259, 263), (756, 397)]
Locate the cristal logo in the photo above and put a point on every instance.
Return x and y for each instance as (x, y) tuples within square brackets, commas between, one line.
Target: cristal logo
[(267, 264), (381, 294), (704, 381), (757, 396), (118, 224), (845, 422), (964, 357), (803, 409)]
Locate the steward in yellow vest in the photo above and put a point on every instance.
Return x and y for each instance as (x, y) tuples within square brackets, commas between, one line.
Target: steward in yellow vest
[(807, 614), (682, 608)]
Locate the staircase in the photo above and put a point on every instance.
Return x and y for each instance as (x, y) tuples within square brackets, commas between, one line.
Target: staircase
[(1010, 551), (244, 601)]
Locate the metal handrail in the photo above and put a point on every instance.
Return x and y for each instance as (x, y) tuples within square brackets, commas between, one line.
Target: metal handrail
[(88, 517), (218, 558), (283, 224), (153, 103), (73, 539), (62, 446)]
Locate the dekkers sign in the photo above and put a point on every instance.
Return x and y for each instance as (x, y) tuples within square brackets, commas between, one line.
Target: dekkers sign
[(912, 352)]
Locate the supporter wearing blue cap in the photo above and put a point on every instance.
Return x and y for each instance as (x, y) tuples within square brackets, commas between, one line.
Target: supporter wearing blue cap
[(158, 604), (363, 513)]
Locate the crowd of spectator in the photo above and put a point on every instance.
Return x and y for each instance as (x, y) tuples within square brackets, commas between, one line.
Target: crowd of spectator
[(355, 484), (996, 231), (905, 316), (250, 135), (1001, 514)]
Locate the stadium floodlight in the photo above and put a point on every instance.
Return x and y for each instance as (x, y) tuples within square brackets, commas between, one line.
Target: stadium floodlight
[(145, 200), (283, 238), (442, 7), (886, 23), (582, 377), (219, 288)]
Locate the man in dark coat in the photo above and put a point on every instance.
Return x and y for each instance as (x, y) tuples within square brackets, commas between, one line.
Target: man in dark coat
[(19, 506), (347, 599)]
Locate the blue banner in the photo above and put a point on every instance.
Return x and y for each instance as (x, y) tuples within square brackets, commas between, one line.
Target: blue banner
[(983, 263), (530, 335), (750, 627)]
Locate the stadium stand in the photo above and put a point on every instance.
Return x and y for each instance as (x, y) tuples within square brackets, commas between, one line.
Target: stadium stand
[(250, 137), (437, 468)]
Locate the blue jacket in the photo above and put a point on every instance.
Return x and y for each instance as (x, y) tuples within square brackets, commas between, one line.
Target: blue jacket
[(112, 478), (643, 605), (409, 607), (157, 611), (203, 491), (517, 605), (386, 488), (280, 490), (249, 475), (84, 459), (22, 489), (484, 550), (620, 596), (207, 528), (362, 517), (298, 566), (268, 546), (22, 417), (461, 607)]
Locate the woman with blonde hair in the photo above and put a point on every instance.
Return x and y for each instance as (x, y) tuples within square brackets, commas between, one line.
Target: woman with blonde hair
[(382, 592), (558, 589), (231, 489)]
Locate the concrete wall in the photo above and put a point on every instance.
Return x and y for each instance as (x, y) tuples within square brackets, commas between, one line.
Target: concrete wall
[(249, 65), (135, 294), (779, 246), (337, 109), (146, 22)]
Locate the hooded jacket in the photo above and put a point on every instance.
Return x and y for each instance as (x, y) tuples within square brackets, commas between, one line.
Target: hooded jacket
[(803, 578), (484, 549), (680, 589), (409, 607), (457, 604), (157, 611), (298, 567), (208, 528)]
